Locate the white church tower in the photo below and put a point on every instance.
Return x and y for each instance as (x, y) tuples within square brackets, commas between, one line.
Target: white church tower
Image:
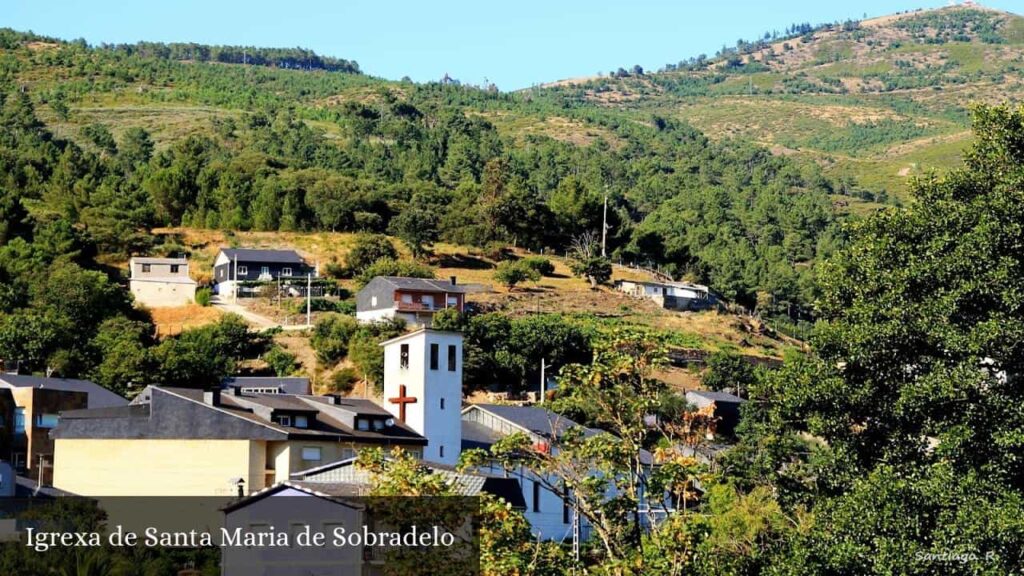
[(423, 389)]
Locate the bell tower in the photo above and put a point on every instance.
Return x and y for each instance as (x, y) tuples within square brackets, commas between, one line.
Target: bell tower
[(423, 389)]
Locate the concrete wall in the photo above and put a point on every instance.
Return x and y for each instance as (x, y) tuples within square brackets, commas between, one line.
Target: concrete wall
[(158, 294), (141, 467)]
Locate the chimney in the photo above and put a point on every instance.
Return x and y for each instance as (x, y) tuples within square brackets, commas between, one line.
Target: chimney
[(451, 279), (211, 397), (334, 399)]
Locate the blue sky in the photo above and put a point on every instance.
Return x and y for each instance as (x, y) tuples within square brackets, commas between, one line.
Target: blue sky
[(514, 44)]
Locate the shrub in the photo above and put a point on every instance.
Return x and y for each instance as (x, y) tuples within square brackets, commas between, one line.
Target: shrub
[(511, 273), (281, 361), (203, 296), (497, 251), (331, 336), (344, 380), (368, 249), (542, 265)]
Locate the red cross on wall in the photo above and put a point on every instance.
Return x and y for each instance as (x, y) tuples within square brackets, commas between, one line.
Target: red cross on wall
[(402, 400)]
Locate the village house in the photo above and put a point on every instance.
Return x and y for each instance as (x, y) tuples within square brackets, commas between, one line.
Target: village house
[(161, 282), (725, 407), (269, 384), (209, 443), (670, 295), (414, 300), (245, 268), (36, 404)]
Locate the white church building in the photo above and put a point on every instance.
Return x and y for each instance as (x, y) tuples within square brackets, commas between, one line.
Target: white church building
[(423, 390)]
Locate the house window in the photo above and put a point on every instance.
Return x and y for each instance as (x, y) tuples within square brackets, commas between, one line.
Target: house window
[(264, 270), (362, 424), (404, 356), (536, 496), (373, 301), (146, 268), (284, 420), (46, 420), (407, 298), (451, 357), (19, 420), (378, 424), (435, 353), (311, 454), (286, 272), (442, 403), (242, 271), (428, 301), (453, 301), (175, 268), (301, 422)]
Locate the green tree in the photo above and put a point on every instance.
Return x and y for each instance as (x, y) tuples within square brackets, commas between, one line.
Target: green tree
[(367, 249), (907, 411), (510, 273)]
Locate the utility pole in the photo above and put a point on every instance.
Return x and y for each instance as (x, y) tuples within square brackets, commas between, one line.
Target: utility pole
[(543, 380), (604, 226), (309, 299), (235, 285)]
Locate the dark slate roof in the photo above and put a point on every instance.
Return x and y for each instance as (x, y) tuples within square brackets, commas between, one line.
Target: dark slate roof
[(287, 385), (181, 413), (720, 397), (262, 255), (99, 397), (424, 284)]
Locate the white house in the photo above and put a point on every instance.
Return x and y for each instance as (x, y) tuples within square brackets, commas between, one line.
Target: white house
[(671, 295), (161, 282), (423, 388)]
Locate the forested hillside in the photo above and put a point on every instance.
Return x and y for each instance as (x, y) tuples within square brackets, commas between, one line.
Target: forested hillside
[(99, 131)]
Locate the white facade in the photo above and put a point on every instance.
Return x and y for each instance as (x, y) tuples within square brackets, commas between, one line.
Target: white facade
[(423, 383)]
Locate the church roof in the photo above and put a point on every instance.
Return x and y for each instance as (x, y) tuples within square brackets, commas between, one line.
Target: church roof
[(286, 385)]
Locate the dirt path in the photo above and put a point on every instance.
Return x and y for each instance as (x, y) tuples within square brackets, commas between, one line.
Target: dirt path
[(256, 320)]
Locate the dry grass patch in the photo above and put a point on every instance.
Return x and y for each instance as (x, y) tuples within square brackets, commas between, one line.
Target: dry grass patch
[(172, 321)]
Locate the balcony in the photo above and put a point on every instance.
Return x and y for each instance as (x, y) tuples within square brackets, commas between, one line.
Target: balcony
[(416, 307)]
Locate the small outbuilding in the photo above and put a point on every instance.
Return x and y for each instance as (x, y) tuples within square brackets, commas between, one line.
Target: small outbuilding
[(161, 282)]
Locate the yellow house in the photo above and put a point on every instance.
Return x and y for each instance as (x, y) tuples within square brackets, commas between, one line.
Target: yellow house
[(185, 442)]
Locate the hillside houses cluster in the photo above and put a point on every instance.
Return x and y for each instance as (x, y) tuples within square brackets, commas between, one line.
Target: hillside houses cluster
[(254, 439)]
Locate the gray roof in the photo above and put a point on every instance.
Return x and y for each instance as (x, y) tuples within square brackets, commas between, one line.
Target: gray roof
[(286, 385), (153, 260), (98, 396), (180, 413), (344, 478), (262, 255), (425, 284), (539, 421), (718, 397)]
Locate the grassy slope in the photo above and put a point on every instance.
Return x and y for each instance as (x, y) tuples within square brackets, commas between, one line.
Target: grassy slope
[(560, 293), (905, 130)]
